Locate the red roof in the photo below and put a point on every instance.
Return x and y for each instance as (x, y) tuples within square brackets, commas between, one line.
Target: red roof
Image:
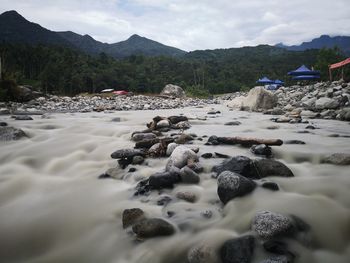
[(340, 64)]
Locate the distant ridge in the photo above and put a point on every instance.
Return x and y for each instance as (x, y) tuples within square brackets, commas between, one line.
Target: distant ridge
[(324, 41), (14, 28)]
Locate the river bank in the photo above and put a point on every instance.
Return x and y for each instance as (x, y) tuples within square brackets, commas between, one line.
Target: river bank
[(55, 209)]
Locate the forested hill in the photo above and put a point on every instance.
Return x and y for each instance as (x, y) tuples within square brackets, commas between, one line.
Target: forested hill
[(16, 29)]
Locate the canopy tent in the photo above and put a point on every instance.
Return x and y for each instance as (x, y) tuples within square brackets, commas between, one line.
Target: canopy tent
[(306, 77), (278, 82), (340, 64), (265, 80), (302, 71)]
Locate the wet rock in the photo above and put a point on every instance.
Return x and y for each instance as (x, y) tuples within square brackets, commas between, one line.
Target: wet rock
[(177, 119), (309, 114), (233, 123), (23, 118), (3, 124), (138, 159), (207, 155), (115, 173), (153, 227), (131, 216), (213, 140), (171, 147), (231, 185), (221, 155), (188, 176), (337, 159), (202, 254), (116, 119), (294, 142), (126, 153), (326, 103), (277, 259), (261, 149), (269, 225), (187, 196), (132, 170), (163, 124), (270, 185), (143, 136), (238, 250), (163, 180), (180, 156), (196, 167), (10, 133), (238, 164), (310, 127), (183, 125), (276, 247), (157, 150), (4, 111), (164, 200), (184, 138), (344, 114), (269, 167)]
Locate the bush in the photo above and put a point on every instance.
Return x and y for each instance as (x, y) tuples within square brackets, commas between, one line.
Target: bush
[(197, 92), (6, 88)]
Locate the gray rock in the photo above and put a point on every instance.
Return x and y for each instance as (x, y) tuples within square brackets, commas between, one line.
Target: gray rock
[(131, 216), (233, 123), (163, 124), (171, 147), (238, 164), (202, 254), (184, 138), (337, 159), (260, 98), (344, 114), (153, 227), (3, 124), (143, 136), (270, 185), (180, 156), (326, 103), (269, 224), (163, 180), (137, 159), (182, 125), (115, 173), (10, 133), (238, 250), (261, 149), (231, 185), (189, 176), (173, 90), (294, 142), (187, 196), (4, 111), (126, 153), (177, 119), (269, 167), (309, 114), (23, 118)]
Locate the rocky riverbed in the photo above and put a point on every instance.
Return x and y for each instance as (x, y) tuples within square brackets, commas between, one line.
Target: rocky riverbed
[(195, 184)]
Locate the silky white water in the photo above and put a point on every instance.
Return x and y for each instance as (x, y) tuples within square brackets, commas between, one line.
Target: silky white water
[(54, 209)]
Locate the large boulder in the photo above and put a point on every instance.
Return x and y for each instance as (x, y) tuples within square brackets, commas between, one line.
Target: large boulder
[(10, 133), (238, 250), (326, 103), (260, 99), (173, 90), (180, 157)]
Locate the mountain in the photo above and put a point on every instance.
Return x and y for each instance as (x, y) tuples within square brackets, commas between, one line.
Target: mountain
[(16, 29), (324, 41)]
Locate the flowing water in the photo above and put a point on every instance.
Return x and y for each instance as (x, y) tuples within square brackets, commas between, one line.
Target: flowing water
[(54, 209)]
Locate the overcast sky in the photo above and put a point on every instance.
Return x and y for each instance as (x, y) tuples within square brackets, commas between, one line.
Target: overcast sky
[(191, 24)]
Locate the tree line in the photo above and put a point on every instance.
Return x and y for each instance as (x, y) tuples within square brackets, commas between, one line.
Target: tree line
[(64, 71)]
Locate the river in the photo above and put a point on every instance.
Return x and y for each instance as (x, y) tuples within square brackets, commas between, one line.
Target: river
[(53, 208)]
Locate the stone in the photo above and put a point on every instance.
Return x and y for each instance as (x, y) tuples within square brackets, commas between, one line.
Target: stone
[(137, 159), (143, 136), (231, 185), (188, 176), (4, 111), (10, 133), (187, 196), (294, 142), (207, 155), (163, 124), (116, 119), (337, 159), (326, 103), (115, 173), (270, 185), (261, 149), (180, 157), (182, 125), (269, 225), (176, 119), (269, 167), (170, 148), (344, 114), (238, 164), (309, 114), (233, 123), (3, 124), (163, 180), (276, 247), (260, 98), (126, 153), (173, 91), (238, 250), (131, 216), (153, 227), (184, 138), (202, 253), (164, 200), (23, 118)]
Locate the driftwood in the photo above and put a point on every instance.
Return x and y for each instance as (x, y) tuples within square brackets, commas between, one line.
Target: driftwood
[(244, 141)]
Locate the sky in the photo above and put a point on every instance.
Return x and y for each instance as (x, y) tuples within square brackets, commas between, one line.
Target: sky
[(191, 24)]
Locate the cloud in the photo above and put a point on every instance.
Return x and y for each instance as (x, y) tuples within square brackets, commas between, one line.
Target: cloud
[(189, 25)]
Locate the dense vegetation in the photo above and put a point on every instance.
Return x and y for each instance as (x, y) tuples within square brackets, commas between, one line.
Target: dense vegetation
[(61, 70)]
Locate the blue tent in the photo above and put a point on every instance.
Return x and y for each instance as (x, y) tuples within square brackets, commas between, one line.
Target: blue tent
[(303, 70), (306, 77), (265, 80), (278, 82)]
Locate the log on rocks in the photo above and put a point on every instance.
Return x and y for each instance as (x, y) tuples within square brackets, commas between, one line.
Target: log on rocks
[(246, 141)]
